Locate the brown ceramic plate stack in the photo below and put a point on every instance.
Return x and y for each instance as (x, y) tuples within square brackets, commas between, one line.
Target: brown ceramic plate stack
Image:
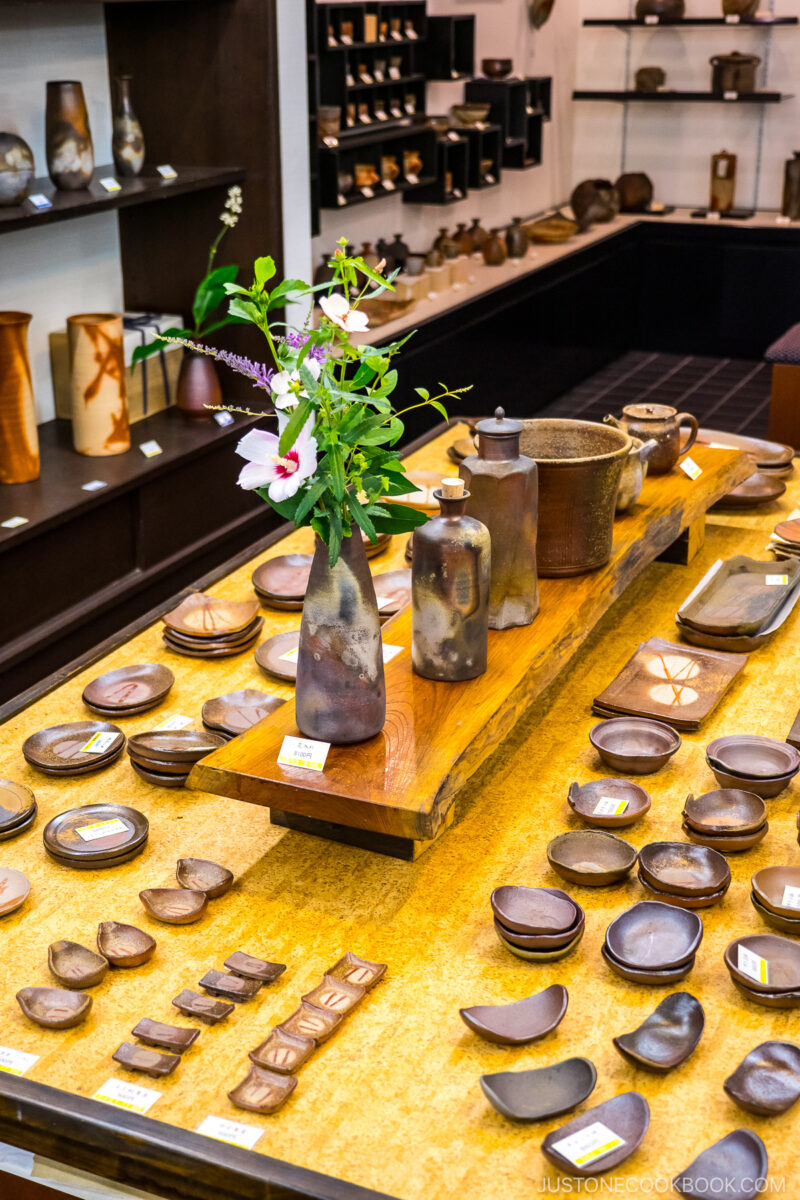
[(653, 942), (166, 756), (233, 713), (75, 749), (766, 968), (281, 582), (277, 656), (685, 875), (204, 627), (537, 924), (775, 896), (738, 604), (128, 690), (392, 592), (762, 487), (17, 809), (378, 546), (727, 820), (784, 541), (96, 836), (773, 458), (752, 763)]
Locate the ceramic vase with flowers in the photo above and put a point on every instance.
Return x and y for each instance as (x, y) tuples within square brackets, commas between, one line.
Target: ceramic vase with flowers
[(330, 465)]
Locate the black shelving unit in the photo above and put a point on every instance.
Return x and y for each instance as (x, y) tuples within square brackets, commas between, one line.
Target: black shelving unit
[(313, 107), (369, 148), (686, 97), (450, 50), (510, 108), (540, 94), (452, 174), (485, 142)]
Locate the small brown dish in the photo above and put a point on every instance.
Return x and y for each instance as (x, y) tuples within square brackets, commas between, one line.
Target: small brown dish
[(200, 875), (667, 1037), (652, 935), (767, 789), (204, 1008), (96, 832), (334, 995), (392, 591), (262, 1091), (542, 1093), (753, 757), (520, 1022), (496, 68), (635, 745), (149, 1062), (205, 616), (157, 766), (626, 1117), (780, 1000), (210, 651), (760, 488), (770, 885), (650, 975), (541, 956), (533, 910), (779, 966), (283, 1052), (727, 810), (229, 987), (727, 843), (608, 803), (74, 966), (591, 857), (683, 870), (734, 1166), (248, 967), (706, 900), (767, 1080), (235, 712), (94, 864), (159, 778), (540, 941), (207, 646), (54, 1008), (312, 1022), (790, 925), (14, 890), (174, 745), (129, 689), (174, 906), (284, 577), (353, 969), (61, 749), (168, 1037), (17, 804), (271, 656)]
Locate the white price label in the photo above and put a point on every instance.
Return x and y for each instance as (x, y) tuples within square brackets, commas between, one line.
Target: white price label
[(776, 580), (290, 655), (99, 742), (690, 468), (178, 721), (610, 806), (411, 178), (783, 220), (110, 184), (589, 1144), (40, 201), (367, 192), (385, 602), (303, 752), (390, 652), (16, 1062), (150, 449), (388, 185), (651, 19), (101, 829), (713, 216), (232, 1132), (791, 897), (223, 418), (732, 19), (127, 1095), (94, 485), (15, 522), (752, 965), (730, 95), (166, 171)]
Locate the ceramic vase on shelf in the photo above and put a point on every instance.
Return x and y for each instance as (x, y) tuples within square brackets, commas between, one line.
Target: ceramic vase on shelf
[(70, 154), (127, 139), (517, 240), (494, 249), (450, 577), (340, 695), (198, 390), (504, 495), (97, 384), (723, 182), (16, 169), (790, 206), (19, 439)]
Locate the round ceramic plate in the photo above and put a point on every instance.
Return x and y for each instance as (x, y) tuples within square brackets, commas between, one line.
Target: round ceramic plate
[(177, 745), (138, 687), (392, 591), (14, 889), (159, 778), (96, 864), (215, 643), (236, 711), (223, 652), (270, 655), (95, 830), (7, 832), (280, 605), (758, 489), (16, 803), (284, 577), (789, 532), (161, 766), (205, 616), (62, 747), (763, 453), (99, 765)]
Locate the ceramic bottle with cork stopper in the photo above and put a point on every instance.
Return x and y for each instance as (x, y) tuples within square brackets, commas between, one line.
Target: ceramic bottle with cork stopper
[(504, 496), (450, 573)]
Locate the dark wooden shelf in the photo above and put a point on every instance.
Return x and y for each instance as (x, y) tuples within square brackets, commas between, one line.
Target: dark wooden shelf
[(142, 190), (385, 83), (685, 97), (402, 185), (689, 22)]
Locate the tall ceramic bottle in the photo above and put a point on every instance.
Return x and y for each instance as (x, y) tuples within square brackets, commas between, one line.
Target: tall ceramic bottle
[(450, 574), (504, 495), (97, 384), (723, 182), (19, 439), (127, 140), (68, 139), (790, 206)]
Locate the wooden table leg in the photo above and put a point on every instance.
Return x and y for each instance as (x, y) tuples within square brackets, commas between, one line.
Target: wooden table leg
[(688, 545), (407, 849)]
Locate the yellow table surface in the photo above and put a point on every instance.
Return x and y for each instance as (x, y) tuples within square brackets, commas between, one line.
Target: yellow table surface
[(392, 1101)]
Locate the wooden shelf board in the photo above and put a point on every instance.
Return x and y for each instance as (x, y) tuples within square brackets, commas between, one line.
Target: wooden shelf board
[(685, 97), (690, 22)]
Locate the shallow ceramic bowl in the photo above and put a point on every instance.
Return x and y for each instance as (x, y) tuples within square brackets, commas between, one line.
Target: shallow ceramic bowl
[(54, 1008), (667, 975), (124, 945), (175, 906), (767, 1080), (727, 843), (541, 955), (135, 688), (635, 745), (534, 910), (540, 941), (628, 1115), (521, 1022), (704, 901), (753, 757), (584, 799), (790, 925), (541, 1093), (769, 885), (174, 745), (75, 966), (667, 1037), (470, 114), (765, 788), (769, 999), (733, 1166), (683, 870), (591, 857), (726, 810), (781, 956), (200, 875), (654, 936)]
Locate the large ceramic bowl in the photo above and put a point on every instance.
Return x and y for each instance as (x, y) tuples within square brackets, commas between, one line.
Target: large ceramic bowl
[(765, 788), (470, 114), (635, 745), (753, 757), (496, 68)]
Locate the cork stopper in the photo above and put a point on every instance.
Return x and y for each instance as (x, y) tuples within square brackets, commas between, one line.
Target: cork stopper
[(452, 489)]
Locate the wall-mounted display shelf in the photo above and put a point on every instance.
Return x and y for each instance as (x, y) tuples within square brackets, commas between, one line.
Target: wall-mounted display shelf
[(540, 94), (450, 51), (687, 97), (485, 150), (452, 174), (688, 22), (511, 109), (348, 26), (339, 185)]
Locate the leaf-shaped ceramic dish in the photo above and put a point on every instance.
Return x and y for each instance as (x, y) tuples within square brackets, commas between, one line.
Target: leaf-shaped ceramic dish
[(654, 936), (735, 1166), (667, 1037), (54, 1008), (235, 712), (206, 616), (767, 1080), (534, 910), (541, 1093), (75, 966), (726, 810), (200, 875), (591, 857), (685, 870), (174, 906), (782, 959), (520, 1022), (598, 802), (626, 1117), (262, 1091)]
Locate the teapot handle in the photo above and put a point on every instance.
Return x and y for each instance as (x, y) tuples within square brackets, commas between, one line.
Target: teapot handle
[(687, 419)]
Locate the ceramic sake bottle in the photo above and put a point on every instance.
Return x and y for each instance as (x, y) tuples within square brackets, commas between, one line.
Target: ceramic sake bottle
[(68, 139), (450, 575), (504, 495), (127, 140), (97, 384)]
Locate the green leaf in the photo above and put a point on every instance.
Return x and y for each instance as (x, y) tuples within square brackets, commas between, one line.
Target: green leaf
[(309, 499), (296, 422), (336, 468), (235, 289), (263, 269), (383, 281), (423, 392), (284, 508), (154, 347), (360, 515), (440, 408), (245, 309), (364, 375), (335, 535), (401, 519), (390, 431)]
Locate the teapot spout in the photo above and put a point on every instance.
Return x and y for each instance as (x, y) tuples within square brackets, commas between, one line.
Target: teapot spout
[(609, 419)]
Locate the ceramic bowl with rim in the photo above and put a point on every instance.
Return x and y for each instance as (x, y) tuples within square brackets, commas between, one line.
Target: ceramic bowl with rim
[(654, 936), (542, 956), (753, 757), (767, 789), (534, 910), (540, 941), (635, 745), (470, 114), (591, 857), (727, 843), (683, 870), (702, 901), (496, 68), (652, 975), (726, 810), (790, 925), (595, 802), (780, 956), (770, 885)]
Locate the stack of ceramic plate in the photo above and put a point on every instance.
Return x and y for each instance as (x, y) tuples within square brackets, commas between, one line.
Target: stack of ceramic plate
[(128, 690), (233, 713), (203, 627), (166, 756), (766, 968), (773, 459), (281, 582), (17, 809), (726, 820), (784, 541), (653, 942), (756, 764), (74, 749), (738, 604), (96, 836), (378, 546), (537, 924), (687, 876), (762, 487), (392, 592), (775, 896)]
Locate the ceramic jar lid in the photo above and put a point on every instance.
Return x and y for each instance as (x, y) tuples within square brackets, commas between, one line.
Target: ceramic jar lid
[(499, 426)]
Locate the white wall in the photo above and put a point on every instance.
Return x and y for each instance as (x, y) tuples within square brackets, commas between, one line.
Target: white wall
[(72, 266)]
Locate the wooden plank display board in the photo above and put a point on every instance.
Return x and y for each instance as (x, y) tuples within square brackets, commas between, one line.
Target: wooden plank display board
[(395, 792)]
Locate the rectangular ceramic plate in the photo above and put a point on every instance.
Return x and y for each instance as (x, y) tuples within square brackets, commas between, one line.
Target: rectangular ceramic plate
[(743, 644), (739, 597)]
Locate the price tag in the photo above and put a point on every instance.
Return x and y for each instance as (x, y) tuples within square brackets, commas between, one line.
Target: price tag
[(412, 178), (16, 1062), (303, 752), (390, 652), (167, 172), (223, 418), (99, 742), (110, 184), (791, 897), (777, 580), (14, 522), (651, 19), (385, 602), (389, 185), (589, 1144), (341, 200), (394, 72), (127, 1095), (730, 95), (232, 1132), (690, 468), (752, 965), (367, 193), (290, 655), (732, 19), (94, 485), (39, 201), (610, 806), (783, 220), (101, 829), (150, 449), (713, 216), (178, 721)]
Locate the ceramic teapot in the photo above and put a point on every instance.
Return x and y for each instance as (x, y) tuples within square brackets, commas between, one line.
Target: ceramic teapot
[(661, 424)]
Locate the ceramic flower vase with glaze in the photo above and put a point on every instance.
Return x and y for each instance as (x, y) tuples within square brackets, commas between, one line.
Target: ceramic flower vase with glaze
[(97, 383), (70, 154)]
